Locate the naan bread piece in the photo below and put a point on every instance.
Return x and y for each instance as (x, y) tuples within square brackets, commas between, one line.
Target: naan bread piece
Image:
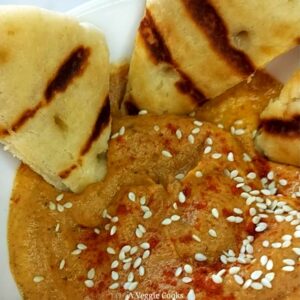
[(279, 136), (54, 104), (189, 51)]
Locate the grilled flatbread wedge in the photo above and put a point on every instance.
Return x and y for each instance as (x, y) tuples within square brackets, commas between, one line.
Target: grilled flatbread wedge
[(279, 136), (54, 105), (189, 51)]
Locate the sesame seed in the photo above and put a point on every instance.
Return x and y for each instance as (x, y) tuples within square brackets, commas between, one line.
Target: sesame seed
[(212, 233), (166, 221), (198, 174), (115, 219), (62, 264), (76, 252), (131, 196), (215, 213), (263, 260), (81, 246), (57, 227), (141, 271), (239, 132), (181, 197), (261, 227), (289, 262), (269, 265), (200, 257), (143, 200), (252, 211), (246, 157), (238, 279), (195, 130), (283, 182), (166, 154), (89, 283), (231, 219), (122, 131), (146, 254), (147, 214), (127, 266), (114, 286), (156, 128), (220, 126), (234, 270), (187, 279), (178, 271), (234, 173), (113, 230), (198, 123), (238, 211), (196, 238), (266, 192), (137, 262), (179, 134), (251, 175), (297, 251), (188, 269), (130, 277), (257, 286), (143, 112), (91, 274), (139, 233), (216, 279), (265, 282), (191, 139), (270, 276), (134, 250), (297, 234), (179, 176), (60, 208), (288, 268), (52, 206), (276, 245), (145, 246), (175, 206), (114, 264), (60, 197), (216, 156), (270, 175), (191, 295), (133, 286), (247, 284), (207, 149), (230, 156), (111, 250), (209, 141), (38, 279), (114, 275), (175, 218), (223, 259), (125, 248), (266, 244), (256, 275)]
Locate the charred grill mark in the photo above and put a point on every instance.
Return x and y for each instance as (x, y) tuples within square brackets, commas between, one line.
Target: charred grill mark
[(160, 53), (72, 67), (206, 17), (289, 128), (28, 114), (66, 173), (100, 124), (186, 86)]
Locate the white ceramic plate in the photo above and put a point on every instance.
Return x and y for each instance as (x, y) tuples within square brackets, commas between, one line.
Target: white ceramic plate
[(118, 19)]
